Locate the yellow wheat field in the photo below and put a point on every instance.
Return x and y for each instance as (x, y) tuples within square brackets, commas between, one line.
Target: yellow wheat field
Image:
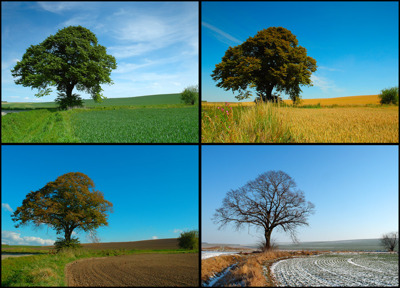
[(343, 125), (267, 123), (341, 101), (350, 100)]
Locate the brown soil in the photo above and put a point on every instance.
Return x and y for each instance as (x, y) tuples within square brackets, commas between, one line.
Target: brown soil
[(157, 270), (171, 243)]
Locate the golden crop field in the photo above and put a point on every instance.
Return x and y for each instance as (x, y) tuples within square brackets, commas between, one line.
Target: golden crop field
[(350, 100), (340, 101), (270, 123), (343, 125)]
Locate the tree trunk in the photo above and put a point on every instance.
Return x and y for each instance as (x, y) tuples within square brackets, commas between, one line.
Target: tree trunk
[(68, 91), (67, 234), (267, 95), (267, 240)]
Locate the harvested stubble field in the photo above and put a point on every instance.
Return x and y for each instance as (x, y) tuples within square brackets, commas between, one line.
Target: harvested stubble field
[(273, 123), (157, 270)]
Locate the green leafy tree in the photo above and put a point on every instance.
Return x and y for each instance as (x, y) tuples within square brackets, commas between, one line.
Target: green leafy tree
[(271, 59), (189, 240), (70, 58), (68, 203), (190, 95), (390, 95)]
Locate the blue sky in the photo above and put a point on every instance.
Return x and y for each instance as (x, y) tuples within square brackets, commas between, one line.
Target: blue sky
[(354, 188), (155, 43), (154, 189), (355, 44)]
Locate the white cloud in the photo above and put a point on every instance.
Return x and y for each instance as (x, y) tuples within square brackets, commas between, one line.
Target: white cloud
[(26, 98), (154, 237), (58, 7), (6, 207), (14, 238), (321, 82), (178, 231), (223, 35)]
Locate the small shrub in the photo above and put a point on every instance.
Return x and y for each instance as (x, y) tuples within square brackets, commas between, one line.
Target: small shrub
[(389, 96), (65, 102), (190, 95), (61, 243), (189, 240)]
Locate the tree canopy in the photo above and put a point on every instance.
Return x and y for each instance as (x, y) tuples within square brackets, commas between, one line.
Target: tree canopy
[(70, 58), (68, 203), (268, 202), (271, 59)]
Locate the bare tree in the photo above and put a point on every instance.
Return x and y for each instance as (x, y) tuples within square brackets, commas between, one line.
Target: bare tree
[(268, 202), (390, 240)]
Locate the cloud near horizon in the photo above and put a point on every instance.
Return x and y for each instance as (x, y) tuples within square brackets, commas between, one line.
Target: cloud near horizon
[(7, 207), (14, 238)]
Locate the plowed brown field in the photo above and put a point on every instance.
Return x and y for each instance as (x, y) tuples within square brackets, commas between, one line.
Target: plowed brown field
[(157, 270)]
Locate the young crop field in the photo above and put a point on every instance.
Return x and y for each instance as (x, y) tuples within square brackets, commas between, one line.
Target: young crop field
[(338, 270), (271, 123), (161, 99), (161, 124)]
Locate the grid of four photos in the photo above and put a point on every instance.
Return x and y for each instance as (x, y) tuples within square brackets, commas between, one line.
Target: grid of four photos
[(199, 143)]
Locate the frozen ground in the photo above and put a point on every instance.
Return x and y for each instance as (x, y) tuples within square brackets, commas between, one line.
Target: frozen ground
[(338, 269), (209, 254)]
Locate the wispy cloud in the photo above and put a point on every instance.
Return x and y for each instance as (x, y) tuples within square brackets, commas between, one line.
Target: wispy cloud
[(154, 237), (7, 207), (178, 231), (223, 35), (14, 238), (58, 7), (325, 84), (329, 69)]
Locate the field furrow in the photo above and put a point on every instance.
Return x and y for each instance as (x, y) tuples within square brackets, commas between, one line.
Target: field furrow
[(338, 270)]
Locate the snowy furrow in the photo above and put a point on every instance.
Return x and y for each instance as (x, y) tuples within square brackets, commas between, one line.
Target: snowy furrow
[(338, 270)]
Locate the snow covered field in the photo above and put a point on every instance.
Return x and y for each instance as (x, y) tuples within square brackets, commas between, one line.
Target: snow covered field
[(339, 269), (209, 254)]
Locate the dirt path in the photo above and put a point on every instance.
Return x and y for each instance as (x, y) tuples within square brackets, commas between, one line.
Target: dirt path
[(4, 256), (157, 270)]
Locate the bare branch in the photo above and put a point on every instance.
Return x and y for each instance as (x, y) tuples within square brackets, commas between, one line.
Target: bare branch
[(269, 201)]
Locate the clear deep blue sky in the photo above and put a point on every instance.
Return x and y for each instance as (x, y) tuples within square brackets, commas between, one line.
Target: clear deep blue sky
[(355, 44), (155, 43), (154, 189), (354, 188)]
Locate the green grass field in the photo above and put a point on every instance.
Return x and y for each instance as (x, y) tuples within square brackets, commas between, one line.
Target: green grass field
[(128, 101), (148, 119)]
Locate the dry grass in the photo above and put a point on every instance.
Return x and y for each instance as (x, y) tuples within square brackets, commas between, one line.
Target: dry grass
[(250, 270), (215, 265), (268, 123), (258, 124), (42, 275)]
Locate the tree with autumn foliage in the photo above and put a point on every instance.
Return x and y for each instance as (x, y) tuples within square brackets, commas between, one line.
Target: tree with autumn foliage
[(271, 59), (68, 203)]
